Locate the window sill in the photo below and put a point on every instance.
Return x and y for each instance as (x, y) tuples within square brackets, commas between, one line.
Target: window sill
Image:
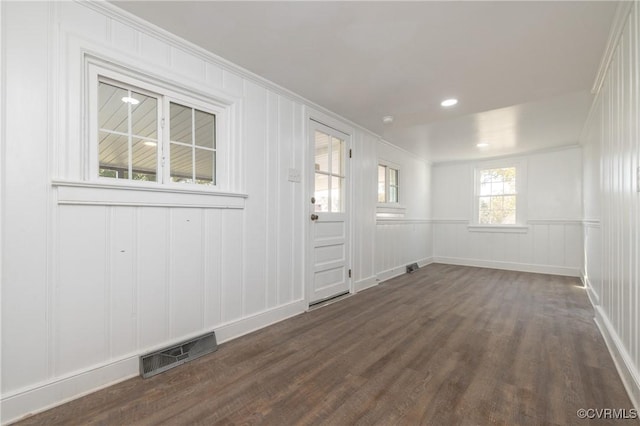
[(390, 210), (507, 229), (117, 194)]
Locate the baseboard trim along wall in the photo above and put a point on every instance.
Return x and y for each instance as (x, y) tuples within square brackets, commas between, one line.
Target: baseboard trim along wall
[(591, 293), (51, 394), (511, 266), (401, 269), (365, 283), (621, 358)]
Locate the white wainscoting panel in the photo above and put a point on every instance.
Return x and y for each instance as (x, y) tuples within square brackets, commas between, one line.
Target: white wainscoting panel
[(553, 247)]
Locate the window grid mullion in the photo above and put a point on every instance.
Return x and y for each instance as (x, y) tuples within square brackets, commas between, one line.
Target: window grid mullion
[(193, 145), (129, 138)]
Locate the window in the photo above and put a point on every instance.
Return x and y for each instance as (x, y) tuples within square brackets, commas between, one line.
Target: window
[(387, 184), (497, 196), (149, 132), (329, 172)]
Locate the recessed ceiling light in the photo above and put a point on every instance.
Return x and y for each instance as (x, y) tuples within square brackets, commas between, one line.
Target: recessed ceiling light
[(449, 102), (482, 145), (130, 100), (150, 143), (387, 119)]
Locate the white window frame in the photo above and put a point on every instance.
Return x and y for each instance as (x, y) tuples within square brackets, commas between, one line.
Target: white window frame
[(166, 92), (521, 204), (388, 209)]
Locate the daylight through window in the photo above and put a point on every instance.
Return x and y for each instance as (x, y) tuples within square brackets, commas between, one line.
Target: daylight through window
[(497, 196)]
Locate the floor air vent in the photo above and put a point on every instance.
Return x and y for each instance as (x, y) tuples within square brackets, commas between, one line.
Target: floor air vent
[(412, 267), (164, 359)]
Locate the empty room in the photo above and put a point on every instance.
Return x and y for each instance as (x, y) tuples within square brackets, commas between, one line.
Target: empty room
[(331, 213)]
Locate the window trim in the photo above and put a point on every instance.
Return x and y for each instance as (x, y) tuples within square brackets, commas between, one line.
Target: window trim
[(389, 165), (388, 210), (521, 185), (225, 109)]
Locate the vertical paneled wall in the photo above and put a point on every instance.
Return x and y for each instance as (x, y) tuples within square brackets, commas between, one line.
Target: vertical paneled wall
[(552, 239), (88, 286), (406, 237), (612, 205)]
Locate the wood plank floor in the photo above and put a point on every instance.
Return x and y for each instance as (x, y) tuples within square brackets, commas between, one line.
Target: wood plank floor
[(446, 345)]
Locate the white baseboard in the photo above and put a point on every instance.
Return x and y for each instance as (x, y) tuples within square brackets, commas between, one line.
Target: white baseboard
[(365, 283), (625, 366), (401, 269), (594, 298), (511, 266), (59, 391)]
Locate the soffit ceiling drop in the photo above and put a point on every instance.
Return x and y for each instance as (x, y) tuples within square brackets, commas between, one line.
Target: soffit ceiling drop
[(521, 71)]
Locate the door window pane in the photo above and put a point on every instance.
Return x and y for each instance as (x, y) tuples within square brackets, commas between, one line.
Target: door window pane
[(321, 192), (144, 159), (322, 152), (114, 155), (337, 156), (113, 111), (205, 160), (337, 185), (205, 129), (144, 116)]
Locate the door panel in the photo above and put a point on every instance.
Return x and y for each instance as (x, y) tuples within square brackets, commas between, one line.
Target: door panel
[(329, 228)]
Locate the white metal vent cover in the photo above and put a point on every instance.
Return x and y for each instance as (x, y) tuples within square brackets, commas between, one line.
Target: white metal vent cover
[(173, 356)]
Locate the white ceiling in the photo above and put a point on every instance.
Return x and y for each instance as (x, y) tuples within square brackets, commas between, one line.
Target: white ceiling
[(521, 70)]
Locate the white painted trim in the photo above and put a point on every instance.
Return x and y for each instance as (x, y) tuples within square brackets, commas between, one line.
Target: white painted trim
[(621, 358), (511, 266), (555, 222), (400, 270), (47, 395), (365, 283), (505, 229), (400, 221), (615, 32), (591, 223), (113, 194), (594, 298), (450, 221)]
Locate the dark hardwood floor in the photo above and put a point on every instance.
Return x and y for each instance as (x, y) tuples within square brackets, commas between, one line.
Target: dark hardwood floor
[(446, 345)]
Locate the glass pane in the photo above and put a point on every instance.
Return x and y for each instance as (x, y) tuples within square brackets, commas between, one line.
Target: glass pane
[(496, 203), (144, 116), (181, 124), (393, 194), (321, 193), (485, 176), (181, 164), (485, 203), (113, 112), (497, 188), (485, 217), (204, 166), (145, 158), (114, 155), (205, 129), (322, 152), (382, 172), (509, 217), (393, 177), (510, 187), (509, 202), (337, 184), (485, 189), (337, 156)]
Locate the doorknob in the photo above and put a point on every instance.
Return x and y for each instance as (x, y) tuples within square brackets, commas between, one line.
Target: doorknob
[(314, 217)]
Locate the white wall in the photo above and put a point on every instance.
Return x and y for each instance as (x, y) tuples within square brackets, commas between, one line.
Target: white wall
[(88, 284), (552, 242), (404, 240), (612, 202)]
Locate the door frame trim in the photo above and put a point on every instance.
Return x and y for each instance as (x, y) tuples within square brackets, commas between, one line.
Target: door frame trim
[(324, 119)]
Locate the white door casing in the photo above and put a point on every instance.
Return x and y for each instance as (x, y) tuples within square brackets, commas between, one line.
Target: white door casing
[(328, 213)]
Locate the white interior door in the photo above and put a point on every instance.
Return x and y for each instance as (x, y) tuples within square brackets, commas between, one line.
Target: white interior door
[(328, 213)]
